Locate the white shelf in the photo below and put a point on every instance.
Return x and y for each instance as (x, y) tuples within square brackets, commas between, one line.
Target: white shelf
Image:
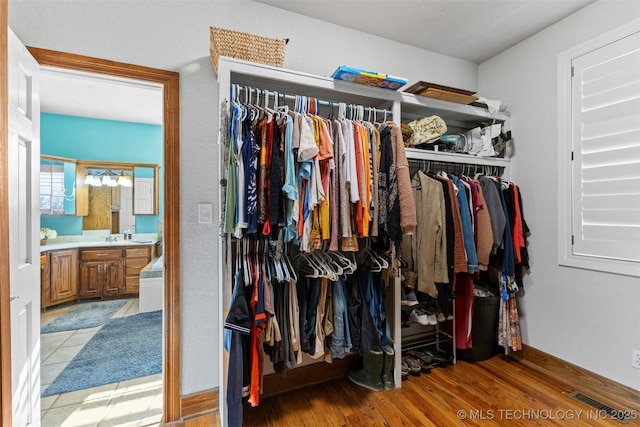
[(440, 156), (299, 83)]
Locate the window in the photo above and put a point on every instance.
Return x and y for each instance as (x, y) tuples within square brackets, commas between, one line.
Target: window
[(599, 161), (52, 190)]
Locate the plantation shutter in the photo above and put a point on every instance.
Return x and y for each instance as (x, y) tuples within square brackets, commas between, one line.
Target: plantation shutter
[(52, 190), (606, 151)]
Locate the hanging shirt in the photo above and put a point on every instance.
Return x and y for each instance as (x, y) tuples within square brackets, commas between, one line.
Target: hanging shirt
[(290, 187), (231, 190), (351, 170), (342, 168), (374, 140)]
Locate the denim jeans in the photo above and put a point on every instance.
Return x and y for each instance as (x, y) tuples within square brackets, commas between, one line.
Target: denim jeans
[(373, 301), (341, 338), (313, 295)]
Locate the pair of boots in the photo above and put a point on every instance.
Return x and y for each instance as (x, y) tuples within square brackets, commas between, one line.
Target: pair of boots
[(377, 371)]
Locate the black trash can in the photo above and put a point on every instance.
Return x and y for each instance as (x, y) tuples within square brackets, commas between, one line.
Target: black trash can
[(484, 330)]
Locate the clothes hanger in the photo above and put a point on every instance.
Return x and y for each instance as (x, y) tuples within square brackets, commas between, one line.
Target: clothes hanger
[(301, 260), (330, 261), (368, 255), (342, 111), (330, 116), (326, 272), (292, 271), (345, 263)]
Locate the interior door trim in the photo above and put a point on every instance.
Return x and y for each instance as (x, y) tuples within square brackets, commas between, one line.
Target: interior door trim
[(171, 105), (5, 314)]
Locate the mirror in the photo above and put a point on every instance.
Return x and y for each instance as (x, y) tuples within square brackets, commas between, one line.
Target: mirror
[(57, 186), (145, 190), (139, 196)]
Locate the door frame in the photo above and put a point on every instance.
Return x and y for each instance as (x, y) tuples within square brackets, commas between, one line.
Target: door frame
[(5, 315), (171, 107)]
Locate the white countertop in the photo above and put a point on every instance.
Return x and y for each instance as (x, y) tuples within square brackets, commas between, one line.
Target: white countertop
[(70, 242)]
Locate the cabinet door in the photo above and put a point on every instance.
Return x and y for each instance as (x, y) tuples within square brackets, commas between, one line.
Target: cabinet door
[(91, 279), (64, 275), (113, 272), (45, 282)]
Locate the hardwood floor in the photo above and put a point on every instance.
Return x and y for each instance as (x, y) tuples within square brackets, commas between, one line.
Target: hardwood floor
[(494, 392)]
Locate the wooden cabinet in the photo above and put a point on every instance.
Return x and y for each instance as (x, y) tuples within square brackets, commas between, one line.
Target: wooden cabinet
[(69, 274), (59, 277), (135, 260), (113, 272), (101, 272)]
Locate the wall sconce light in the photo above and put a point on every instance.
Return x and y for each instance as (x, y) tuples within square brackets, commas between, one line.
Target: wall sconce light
[(125, 181), (109, 178), (93, 181), (109, 181)]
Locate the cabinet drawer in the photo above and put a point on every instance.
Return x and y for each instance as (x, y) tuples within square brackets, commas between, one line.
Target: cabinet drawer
[(132, 285), (135, 265), (142, 252), (100, 254)]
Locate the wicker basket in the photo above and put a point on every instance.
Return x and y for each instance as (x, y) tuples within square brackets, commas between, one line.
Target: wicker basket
[(246, 46)]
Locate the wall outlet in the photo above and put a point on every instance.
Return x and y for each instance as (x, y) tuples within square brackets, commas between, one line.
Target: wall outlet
[(635, 362)]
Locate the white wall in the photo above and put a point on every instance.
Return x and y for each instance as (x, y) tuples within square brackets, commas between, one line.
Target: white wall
[(587, 318), (174, 35)]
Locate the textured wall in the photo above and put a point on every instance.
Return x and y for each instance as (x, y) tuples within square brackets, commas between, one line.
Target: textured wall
[(585, 317), (83, 138)]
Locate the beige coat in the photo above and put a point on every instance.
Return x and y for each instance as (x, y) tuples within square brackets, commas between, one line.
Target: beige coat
[(429, 244)]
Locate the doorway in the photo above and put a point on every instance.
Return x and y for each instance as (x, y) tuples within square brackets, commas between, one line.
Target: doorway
[(113, 323), (169, 80)]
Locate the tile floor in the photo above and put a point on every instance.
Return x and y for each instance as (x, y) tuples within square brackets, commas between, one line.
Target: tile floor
[(136, 402)]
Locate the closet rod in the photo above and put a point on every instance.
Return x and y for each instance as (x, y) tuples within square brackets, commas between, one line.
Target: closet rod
[(456, 167), (307, 99)]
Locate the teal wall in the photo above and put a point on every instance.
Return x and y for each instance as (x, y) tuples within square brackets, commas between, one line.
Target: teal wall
[(83, 138)]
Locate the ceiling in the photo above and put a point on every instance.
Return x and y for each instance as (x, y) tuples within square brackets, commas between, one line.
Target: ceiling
[(99, 96), (473, 30)]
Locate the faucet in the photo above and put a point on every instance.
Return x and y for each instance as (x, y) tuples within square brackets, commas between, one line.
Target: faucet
[(111, 238)]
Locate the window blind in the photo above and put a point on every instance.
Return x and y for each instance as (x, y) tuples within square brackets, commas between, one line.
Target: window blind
[(52, 191), (606, 151)]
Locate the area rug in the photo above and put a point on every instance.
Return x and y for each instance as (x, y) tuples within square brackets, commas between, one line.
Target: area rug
[(84, 315), (124, 348)]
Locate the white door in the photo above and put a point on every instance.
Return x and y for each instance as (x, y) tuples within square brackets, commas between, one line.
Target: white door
[(127, 219), (143, 196), (24, 236)]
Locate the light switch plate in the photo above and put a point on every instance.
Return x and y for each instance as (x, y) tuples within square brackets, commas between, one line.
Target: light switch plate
[(205, 213)]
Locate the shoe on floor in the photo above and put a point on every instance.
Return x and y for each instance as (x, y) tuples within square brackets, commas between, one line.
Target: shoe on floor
[(426, 369), (404, 369), (413, 363), (424, 358), (439, 356)]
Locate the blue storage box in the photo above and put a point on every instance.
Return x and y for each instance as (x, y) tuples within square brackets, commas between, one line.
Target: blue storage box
[(369, 78)]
